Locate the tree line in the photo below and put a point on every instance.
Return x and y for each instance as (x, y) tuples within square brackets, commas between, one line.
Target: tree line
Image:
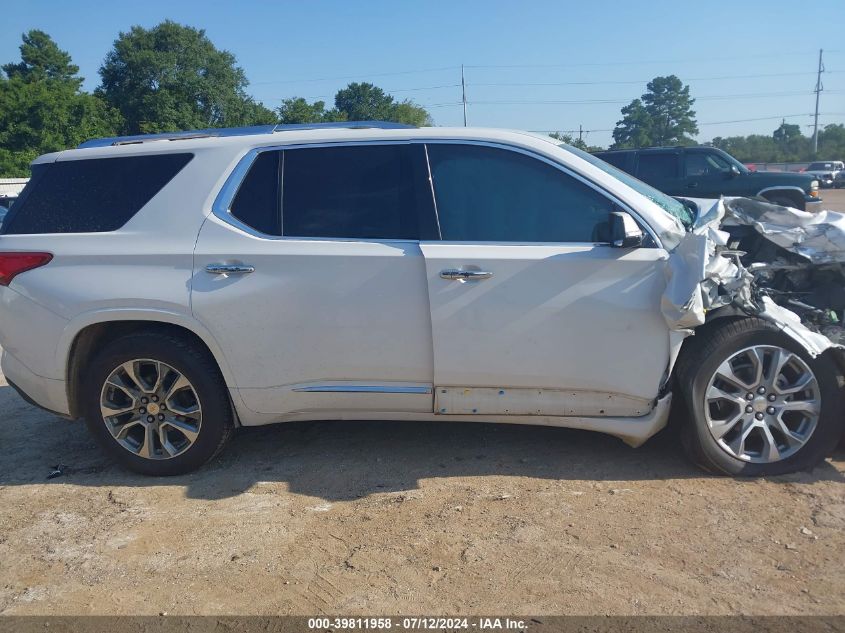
[(166, 78), (172, 77)]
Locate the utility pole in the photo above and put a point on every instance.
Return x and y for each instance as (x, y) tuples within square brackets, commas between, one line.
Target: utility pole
[(464, 91), (818, 90), (580, 133)]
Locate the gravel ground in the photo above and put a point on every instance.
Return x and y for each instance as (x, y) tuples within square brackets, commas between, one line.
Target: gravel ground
[(833, 199), (400, 518)]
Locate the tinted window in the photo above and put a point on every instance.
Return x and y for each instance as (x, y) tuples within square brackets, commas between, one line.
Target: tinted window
[(95, 195), (257, 202), (703, 164), (364, 192), (488, 194), (654, 165), (616, 159)]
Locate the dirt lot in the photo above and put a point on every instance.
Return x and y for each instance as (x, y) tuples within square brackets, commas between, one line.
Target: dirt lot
[(399, 518)]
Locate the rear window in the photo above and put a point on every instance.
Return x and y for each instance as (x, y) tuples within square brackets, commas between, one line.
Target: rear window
[(90, 196)]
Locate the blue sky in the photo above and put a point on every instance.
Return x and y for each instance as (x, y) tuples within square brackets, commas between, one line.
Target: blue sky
[(743, 59)]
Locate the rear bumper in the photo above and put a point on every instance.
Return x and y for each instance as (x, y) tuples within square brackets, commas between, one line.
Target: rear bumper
[(47, 393)]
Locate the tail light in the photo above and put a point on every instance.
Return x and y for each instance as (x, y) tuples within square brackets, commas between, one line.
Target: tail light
[(12, 264)]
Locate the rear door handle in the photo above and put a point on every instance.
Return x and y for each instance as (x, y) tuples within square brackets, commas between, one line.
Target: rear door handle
[(229, 269), (465, 275)]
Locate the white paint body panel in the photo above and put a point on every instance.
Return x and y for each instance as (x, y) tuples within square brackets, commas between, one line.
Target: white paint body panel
[(584, 318), (555, 318)]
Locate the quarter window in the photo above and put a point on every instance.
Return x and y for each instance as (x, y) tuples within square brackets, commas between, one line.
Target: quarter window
[(93, 195), (490, 194)]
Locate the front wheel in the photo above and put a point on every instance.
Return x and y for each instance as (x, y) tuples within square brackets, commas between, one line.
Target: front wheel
[(757, 403), (156, 403)]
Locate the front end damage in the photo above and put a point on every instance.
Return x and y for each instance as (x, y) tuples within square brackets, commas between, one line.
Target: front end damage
[(749, 257)]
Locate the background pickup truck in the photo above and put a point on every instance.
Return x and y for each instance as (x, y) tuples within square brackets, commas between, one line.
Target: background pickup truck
[(707, 172)]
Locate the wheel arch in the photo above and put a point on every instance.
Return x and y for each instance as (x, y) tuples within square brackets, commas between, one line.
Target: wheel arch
[(84, 336), (796, 194)]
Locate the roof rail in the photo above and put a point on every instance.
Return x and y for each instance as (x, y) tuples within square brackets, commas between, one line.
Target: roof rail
[(239, 131)]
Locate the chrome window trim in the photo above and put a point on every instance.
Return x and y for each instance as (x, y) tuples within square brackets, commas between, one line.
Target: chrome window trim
[(223, 201), (364, 389)]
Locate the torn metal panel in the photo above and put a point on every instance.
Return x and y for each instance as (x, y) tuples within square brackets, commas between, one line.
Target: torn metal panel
[(551, 402), (705, 274), (818, 237)]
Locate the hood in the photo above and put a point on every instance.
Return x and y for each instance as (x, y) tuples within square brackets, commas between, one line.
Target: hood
[(781, 178)]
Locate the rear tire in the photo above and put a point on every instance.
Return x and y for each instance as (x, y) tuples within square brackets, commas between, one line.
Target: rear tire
[(156, 403), (744, 449)]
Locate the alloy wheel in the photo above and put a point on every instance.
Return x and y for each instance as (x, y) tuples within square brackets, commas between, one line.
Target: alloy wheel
[(762, 404), (151, 409)]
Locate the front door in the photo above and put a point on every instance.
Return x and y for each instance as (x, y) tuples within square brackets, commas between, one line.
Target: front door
[(532, 311)]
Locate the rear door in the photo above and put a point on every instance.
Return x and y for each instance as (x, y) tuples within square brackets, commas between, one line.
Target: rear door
[(326, 306), (533, 312), (662, 170)]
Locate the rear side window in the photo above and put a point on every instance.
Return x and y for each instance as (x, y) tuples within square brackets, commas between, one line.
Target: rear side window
[(655, 165), (358, 192), (488, 194), (91, 196)]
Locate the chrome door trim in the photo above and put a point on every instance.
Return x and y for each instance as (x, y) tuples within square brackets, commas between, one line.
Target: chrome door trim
[(364, 389), (227, 193)]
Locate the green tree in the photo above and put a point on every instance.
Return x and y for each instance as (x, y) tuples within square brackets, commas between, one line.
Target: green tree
[(663, 116), (42, 108), (832, 142), (366, 102), (574, 142), (298, 110), (172, 77)]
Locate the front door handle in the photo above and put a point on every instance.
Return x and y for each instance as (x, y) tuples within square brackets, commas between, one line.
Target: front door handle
[(692, 185), (229, 269), (465, 275)]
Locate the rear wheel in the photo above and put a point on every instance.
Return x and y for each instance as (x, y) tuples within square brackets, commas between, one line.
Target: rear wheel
[(757, 403), (157, 404)]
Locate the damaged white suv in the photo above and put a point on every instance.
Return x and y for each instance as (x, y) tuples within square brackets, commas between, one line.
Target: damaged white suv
[(169, 288)]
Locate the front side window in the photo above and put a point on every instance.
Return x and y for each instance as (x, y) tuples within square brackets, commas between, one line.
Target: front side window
[(490, 194), (704, 164), (93, 195), (653, 166), (358, 192)]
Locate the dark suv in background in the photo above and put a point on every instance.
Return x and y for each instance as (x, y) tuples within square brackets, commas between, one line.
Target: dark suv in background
[(707, 172)]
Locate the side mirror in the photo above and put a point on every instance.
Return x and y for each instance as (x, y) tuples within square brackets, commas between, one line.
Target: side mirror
[(624, 230), (734, 171)]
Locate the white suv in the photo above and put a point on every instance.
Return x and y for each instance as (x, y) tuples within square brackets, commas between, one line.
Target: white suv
[(169, 288)]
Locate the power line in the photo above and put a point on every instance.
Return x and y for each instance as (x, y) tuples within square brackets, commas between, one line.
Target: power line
[(357, 76), (639, 81)]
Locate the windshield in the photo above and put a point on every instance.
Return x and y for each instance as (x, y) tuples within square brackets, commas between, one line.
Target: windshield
[(667, 203)]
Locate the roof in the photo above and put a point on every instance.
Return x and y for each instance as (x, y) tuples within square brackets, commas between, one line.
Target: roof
[(239, 131)]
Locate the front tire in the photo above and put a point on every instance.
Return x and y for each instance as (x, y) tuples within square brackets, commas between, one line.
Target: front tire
[(757, 404), (156, 403)]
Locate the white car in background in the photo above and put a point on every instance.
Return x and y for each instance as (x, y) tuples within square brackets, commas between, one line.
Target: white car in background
[(826, 171), (168, 288)]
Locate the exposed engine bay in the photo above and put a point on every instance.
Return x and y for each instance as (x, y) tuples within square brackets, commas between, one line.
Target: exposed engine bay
[(796, 258)]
